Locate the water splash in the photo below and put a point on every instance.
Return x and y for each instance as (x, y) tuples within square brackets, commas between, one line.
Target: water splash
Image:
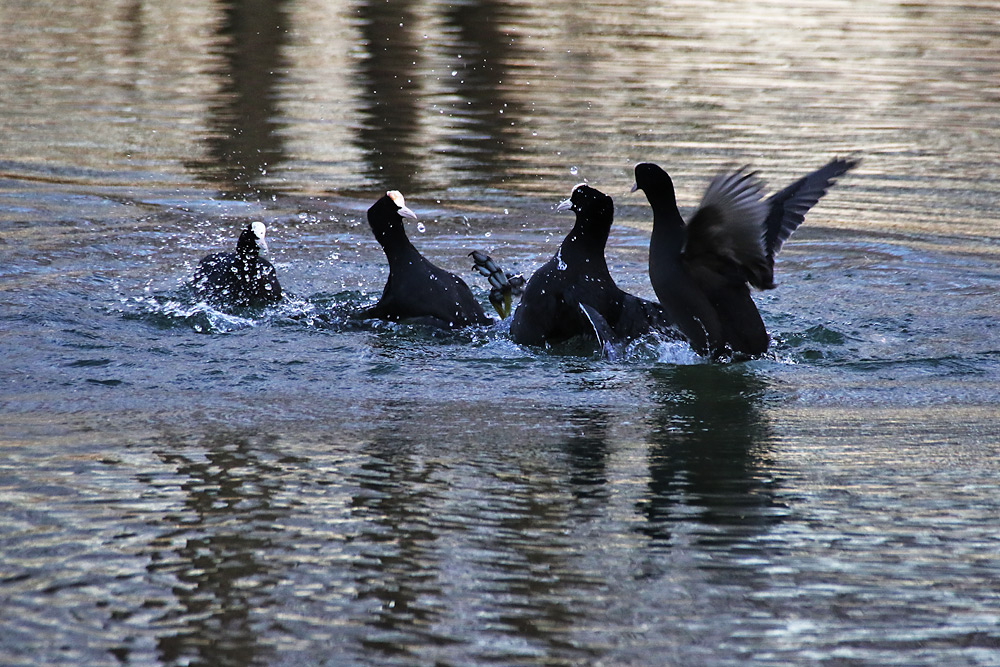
[(677, 352), (169, 312), (659, 348), (181, 310), (560, 264)]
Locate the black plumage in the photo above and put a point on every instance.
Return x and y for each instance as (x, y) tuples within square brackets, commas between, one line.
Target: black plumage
[(417, 291), (242, 278), (702, 271), (574, 294)]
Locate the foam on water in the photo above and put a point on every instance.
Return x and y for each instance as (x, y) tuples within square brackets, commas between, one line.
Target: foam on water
[(182, 310)]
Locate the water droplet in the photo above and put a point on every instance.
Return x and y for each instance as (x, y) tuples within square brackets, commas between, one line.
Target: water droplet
[(488, 234), (574, 171), (506, 212), (454, 72), (421, 227)]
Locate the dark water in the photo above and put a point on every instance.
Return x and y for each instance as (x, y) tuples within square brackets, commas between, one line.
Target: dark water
[(180, 485)]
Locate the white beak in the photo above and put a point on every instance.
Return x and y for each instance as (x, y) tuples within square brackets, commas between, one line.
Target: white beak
[(407, 213), (635, 186), (565, 204)]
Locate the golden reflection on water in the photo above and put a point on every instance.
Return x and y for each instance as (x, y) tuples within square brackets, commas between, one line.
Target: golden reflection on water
[(467, 101)]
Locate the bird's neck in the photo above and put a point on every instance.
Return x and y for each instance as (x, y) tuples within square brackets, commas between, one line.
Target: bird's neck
[(581, 247), (397, 247), (668, 225)]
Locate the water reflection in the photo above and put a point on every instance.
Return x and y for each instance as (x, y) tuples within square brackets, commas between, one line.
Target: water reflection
[(244, 139), (533, 570), (708, 454), (397, 568), (389, 95), (420, 106), (461, 524), (215, 551), (587, 450), (485, 113), (134, 30), (504, 531)]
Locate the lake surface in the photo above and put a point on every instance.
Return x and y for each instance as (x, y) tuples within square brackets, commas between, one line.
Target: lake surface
[(185, 486)]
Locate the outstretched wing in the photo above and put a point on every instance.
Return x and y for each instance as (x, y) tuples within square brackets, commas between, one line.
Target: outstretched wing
[(729, 224), (787, 209)]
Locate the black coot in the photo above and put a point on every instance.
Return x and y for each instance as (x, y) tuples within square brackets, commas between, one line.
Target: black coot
[(574, 294), (702, 271), (242, 278), (417, 291)]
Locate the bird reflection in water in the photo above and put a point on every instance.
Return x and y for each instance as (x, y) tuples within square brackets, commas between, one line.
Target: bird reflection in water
[(708, 456), (214, 546)]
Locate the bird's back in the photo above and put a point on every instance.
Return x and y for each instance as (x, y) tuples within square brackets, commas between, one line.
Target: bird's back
[(418, 290), (229, 279)]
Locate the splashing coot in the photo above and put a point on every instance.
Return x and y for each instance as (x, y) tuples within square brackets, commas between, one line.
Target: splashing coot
[(574, 294), (702, 271), (417, 291), (242, 278)]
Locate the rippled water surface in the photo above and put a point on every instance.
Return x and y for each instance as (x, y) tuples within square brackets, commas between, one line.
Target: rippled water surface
[(181, 485)]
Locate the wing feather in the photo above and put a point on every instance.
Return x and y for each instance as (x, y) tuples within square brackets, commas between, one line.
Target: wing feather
[(788, 208), (729, 224)]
